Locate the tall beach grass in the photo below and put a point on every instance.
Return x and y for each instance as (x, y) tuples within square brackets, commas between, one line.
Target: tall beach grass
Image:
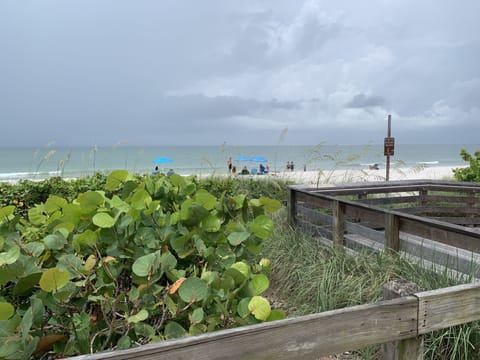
[(310, 277)]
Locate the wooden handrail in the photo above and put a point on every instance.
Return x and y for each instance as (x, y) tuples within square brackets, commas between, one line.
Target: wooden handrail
[(312, 336)]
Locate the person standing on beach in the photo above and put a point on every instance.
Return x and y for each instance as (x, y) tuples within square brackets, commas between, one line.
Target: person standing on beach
[(229, 165), (291, 166), (288, 165)]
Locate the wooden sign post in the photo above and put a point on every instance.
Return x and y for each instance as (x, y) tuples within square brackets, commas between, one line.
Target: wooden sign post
[(389, 147)]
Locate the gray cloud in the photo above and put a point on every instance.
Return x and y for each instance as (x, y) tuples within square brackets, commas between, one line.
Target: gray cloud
[(365, 101), (186, 73)]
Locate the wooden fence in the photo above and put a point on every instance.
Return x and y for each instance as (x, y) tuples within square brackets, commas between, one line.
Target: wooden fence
[(381, 215), (312, 336), (432, 220)]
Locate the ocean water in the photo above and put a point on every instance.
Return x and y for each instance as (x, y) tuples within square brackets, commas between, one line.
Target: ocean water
[(39, 163)]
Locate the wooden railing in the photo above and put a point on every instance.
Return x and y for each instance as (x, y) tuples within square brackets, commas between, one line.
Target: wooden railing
[(419, 218), (330, 332), (358, 222)]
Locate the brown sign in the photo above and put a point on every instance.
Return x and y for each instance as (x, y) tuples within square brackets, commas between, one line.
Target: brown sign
[(389, 146)]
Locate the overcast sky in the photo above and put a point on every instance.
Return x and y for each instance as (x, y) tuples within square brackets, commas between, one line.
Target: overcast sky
[(151, 72)]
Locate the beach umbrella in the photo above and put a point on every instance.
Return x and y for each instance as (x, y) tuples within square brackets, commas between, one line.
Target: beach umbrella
[(258, 159), (162, 160), (242, 158)]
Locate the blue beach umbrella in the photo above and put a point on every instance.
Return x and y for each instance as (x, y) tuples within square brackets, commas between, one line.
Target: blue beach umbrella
[(242, 158), (258, 159), (162, 160)]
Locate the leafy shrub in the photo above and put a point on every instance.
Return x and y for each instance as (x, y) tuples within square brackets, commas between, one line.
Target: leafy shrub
[(253, 188), (471, 173), (158, 258)]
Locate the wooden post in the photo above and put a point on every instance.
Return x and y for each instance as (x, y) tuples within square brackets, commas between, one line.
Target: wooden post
[(389, 145), (338, 213), (291, 201), (423, 196), (392, 233), (409, 349)]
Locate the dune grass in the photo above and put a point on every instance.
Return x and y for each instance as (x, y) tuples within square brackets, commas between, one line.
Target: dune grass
[(311, 277)]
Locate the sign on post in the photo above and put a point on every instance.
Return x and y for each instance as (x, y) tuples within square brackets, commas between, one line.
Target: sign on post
[(389, 146)]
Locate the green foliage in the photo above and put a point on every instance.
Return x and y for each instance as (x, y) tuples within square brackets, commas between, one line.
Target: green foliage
[(132, 260), (251, 187), (314, 277), (472, 172), (27, 193)]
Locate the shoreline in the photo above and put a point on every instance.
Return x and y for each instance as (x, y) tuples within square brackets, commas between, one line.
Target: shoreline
[(325, 177), (329, 176)]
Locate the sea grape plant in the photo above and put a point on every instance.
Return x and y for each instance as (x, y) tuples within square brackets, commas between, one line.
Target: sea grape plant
[(159, 258), (472, 172)]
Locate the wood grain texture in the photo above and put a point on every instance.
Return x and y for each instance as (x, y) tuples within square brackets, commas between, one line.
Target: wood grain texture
[(306, 337), (446, 307)]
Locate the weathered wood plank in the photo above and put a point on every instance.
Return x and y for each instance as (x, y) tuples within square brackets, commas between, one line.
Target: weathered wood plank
[(446, 198), (392, 232), (315, 199), (306, 337), (449, 234), (459, 220), (338, 226), (364, 212), (443, 210), (391, 200), (291, 206), (314, 216), (375, 235), (442, 308), (436, 253), (408, 349)]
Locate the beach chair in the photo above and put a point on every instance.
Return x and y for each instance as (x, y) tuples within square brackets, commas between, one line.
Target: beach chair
[(254, 171)]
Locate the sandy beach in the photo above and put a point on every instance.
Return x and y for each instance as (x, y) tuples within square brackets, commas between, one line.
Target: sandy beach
[(325, 177), (350, 176)]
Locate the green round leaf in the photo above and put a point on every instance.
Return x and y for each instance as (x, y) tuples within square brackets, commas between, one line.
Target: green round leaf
[(193, 289), (211, 224), (6, 310), (276, 315), (54, 203), (145, 265), (265, 263), (115, 178), (262, 226), (204, 198), (90, 201), (36, 216), (196, 316), (140, 316), (124, 343), (242, 307), (6, 213), (88, 238), (174, 330), (242, 267), (36, 248), (259, 284), (54, 241), (270, 205), (54, 279), (141, 199), (103, 220), (10, 256), (259, 307), (236, 238)]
